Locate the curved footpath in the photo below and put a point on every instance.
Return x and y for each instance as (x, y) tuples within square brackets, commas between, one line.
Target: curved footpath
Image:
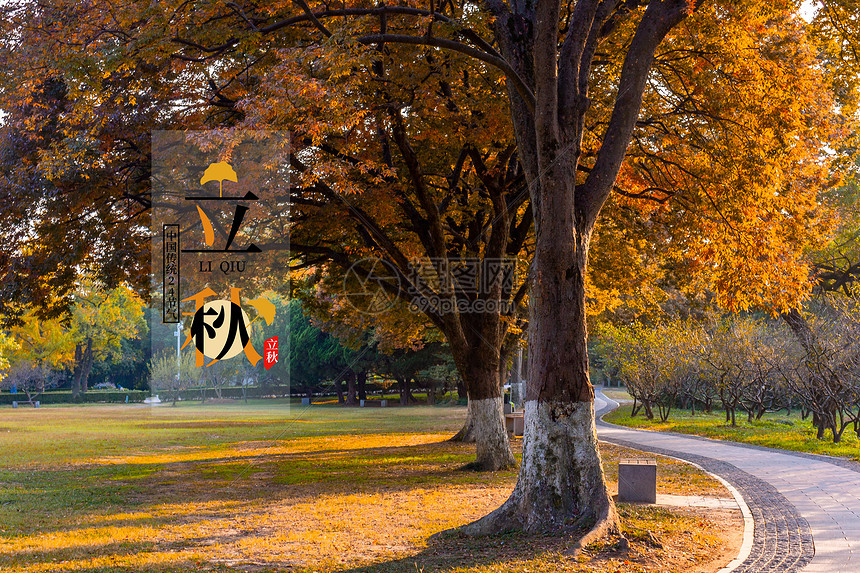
[(805, 507)]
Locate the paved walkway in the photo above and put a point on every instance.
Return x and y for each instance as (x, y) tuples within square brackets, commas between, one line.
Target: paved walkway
[(806, 508)]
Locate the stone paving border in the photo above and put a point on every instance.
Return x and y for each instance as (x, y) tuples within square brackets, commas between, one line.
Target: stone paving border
[(782, 540)]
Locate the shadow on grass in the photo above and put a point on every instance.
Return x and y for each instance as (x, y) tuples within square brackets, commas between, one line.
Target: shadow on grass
[(453, 551), (31, 501)]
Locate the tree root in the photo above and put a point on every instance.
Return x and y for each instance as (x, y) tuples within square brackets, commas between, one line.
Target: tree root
[(607, 524), (509, 517)]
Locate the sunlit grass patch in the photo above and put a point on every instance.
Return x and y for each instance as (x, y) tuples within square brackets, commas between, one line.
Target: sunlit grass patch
[(228, 488)]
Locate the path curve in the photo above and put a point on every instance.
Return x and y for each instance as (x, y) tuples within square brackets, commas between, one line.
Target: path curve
[(806, 507)]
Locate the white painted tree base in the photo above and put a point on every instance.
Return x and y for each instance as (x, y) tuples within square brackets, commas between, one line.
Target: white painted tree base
[(561, 485), (491, 438)]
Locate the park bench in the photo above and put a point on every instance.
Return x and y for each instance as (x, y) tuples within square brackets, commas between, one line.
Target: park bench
[(515, 423), (34, 403)]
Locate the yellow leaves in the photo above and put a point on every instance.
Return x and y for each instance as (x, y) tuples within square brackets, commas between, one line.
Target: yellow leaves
[(107, 318), (41, 342), (8, 348), (736, 144)]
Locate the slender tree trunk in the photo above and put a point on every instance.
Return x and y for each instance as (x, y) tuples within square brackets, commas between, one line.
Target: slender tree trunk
[(649, 411), (403, 388), (83, 365), (87, 366), (431, 392), (338, 388), (800, 327), (461, 390), (76, 377)]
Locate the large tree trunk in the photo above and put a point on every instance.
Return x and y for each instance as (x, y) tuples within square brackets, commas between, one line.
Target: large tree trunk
[(361, 379), (561, 478), (351, 390), (561, 482)]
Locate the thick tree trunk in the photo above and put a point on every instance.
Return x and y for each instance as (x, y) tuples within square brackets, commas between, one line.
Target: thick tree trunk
[(477, 360), (351, 390), (338, 388), (561, 481), (491, 438), (485, 414), (361, 379)]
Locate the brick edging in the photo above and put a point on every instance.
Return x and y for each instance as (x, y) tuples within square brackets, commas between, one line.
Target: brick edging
[(782, 539)]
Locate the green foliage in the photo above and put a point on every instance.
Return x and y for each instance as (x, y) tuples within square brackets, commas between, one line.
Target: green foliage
[(92, 397)]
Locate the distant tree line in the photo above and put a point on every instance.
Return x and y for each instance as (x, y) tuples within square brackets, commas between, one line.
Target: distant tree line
[(744, 364), (322, 357), (334, 358)]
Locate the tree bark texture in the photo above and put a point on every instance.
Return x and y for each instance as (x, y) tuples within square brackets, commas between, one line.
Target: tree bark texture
[(351, 389)]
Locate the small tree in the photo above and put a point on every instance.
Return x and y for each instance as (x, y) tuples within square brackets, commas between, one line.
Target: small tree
[(29, 379), (165, 374)]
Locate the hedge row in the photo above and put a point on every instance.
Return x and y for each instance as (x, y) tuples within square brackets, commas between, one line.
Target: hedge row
[(230, 392), (115, 396)]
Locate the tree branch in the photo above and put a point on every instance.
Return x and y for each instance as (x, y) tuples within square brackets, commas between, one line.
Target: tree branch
[(496, 61), (660, 17)]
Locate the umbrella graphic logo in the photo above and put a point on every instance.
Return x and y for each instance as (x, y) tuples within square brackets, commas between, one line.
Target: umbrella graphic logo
[(369, 285), (220, 172)]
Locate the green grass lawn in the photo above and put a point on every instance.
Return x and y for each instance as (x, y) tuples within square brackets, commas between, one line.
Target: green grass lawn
[(271, 486), (777, 430)]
